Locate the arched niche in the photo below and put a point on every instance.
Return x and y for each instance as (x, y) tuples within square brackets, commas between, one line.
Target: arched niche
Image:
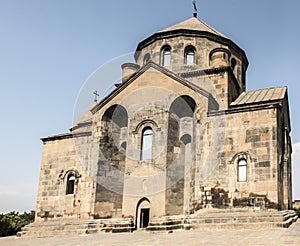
[(186, 139), (114, 124), (111, 162), (179, 153), (183, 106), (116, 114)]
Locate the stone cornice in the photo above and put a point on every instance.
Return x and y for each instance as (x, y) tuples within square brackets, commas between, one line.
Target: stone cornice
[(80, 125), (144, 123), (247, 108), (203, 72), (66, 136)]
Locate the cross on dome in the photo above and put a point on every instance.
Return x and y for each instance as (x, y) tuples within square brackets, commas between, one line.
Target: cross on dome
[(195, 8)]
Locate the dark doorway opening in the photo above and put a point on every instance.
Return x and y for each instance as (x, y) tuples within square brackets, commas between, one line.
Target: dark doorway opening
[(144, 219)]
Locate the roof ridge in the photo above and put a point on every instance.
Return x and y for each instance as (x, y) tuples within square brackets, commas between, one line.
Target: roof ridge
[(208, 26)]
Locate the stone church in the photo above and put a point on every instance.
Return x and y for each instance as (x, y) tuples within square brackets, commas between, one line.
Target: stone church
[(179, 134)]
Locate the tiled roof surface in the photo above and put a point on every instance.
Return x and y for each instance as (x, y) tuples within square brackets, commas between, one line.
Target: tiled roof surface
[(193, 24), (258, 96)]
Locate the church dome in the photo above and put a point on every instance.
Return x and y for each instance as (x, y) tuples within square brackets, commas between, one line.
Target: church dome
[(190, 45)]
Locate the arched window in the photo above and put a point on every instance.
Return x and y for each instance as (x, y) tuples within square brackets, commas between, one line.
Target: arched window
[(166, 56), (233, 63), (146, 58), (190, 56), (242, 170), (70, 184), (146, 148)]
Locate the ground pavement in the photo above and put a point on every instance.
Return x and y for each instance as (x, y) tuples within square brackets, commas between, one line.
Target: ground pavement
[(274, 236)]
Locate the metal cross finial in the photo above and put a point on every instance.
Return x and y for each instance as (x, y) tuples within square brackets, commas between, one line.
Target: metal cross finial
[(96, 95), (195, 8)]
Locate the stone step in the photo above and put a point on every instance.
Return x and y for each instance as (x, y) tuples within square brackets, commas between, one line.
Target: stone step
[(61, 228), (236, 219), (222, 226), (165, 223), (203, 220), (232, 219), (156, 228)]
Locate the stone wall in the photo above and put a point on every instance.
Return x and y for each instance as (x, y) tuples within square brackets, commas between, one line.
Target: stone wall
[(59, 158), (249, 135)]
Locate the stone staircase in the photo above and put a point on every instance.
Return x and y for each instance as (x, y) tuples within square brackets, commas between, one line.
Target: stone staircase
[(76, 227), (208, 219)]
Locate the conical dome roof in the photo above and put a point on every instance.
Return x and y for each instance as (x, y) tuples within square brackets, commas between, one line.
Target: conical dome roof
[(193, 24)]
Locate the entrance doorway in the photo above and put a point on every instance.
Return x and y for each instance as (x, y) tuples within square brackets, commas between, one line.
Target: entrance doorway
[(142, 214), (145, 212)]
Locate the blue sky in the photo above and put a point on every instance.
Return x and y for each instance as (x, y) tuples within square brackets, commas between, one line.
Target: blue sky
[(48, 48)]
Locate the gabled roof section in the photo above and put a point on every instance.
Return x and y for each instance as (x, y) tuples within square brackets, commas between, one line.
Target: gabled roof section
[(193, 24), (142, 70), (260, 96)]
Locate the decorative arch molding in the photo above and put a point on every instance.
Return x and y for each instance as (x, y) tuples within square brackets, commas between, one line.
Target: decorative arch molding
[(144, 199), (143, 124), (190, 46), (241, 155), (166, 46), (63, 174)]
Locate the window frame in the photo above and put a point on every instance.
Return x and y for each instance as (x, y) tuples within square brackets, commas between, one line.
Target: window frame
[(242, 170), (187, 54), (144, 150), (166, 52), (70, 184)]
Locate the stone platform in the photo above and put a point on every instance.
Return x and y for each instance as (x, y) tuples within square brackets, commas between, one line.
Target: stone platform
[(225, 219), (255, 237), (76, 227), (206, 219)]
